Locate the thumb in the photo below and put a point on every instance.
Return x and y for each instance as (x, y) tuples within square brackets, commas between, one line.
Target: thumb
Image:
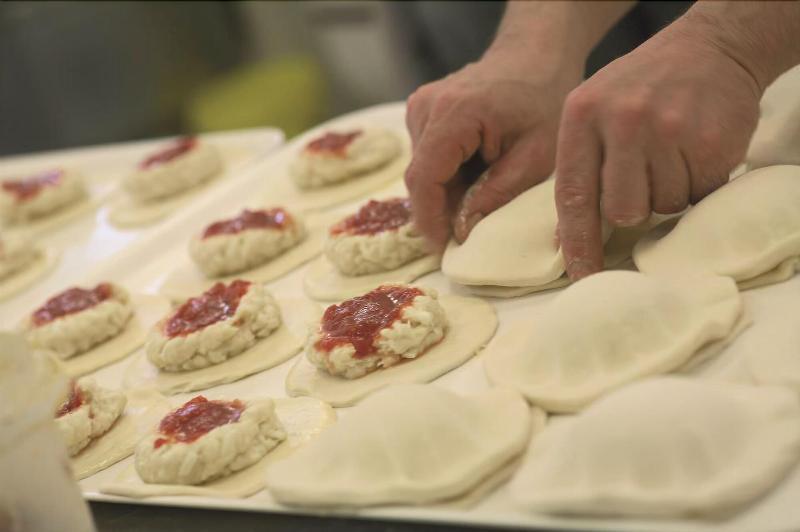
[(526, 164)]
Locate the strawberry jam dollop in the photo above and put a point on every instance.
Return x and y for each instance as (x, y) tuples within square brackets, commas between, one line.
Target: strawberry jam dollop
[(176, 149), (376, 217), (74, 401), (359, 321), (196, 418), (333, 143), (216, 304), (71, 301), (261, 219), (29, 187)]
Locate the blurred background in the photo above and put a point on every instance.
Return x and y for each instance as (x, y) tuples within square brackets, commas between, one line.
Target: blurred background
[(78, 73)]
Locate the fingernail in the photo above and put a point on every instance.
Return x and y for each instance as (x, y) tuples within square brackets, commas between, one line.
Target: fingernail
[(472, 220), (578, 269)]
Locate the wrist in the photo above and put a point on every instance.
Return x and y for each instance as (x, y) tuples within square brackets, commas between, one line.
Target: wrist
[(760, 38)]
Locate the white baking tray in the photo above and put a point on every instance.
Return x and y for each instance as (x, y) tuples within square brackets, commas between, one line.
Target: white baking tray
[(143, 265), (87, 240)]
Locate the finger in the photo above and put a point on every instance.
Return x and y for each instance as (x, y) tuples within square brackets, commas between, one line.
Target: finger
[(578, 163), (625, 195), (526, 164), (669, 181), (443, 148), (417, 113)]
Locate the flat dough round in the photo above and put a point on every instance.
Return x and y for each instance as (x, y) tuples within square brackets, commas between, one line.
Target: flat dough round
[(282, 190), (58, 219), (147, 310), (187, 280), (124, 212), (472, 323), (19, 281), (144, 409), (302, 418), (323, 282), (275, 349)]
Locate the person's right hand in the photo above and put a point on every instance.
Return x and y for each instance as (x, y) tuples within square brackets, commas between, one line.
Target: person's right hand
[(497, 109)]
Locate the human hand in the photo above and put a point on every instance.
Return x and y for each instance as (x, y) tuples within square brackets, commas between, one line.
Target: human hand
[(654, 131), (498, 110)]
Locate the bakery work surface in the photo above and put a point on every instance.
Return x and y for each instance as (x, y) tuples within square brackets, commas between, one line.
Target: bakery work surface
[(743, 337)]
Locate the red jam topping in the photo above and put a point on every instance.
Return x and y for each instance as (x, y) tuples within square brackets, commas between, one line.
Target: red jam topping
[(178, 148), (73, 402), (262, 219), (333, 143), (25, 189), (196, 418), (71, 301), (216, 304), (359, 321), (376, 217)]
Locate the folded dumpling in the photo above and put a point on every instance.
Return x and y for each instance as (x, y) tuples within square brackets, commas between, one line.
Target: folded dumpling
[(663, 447), (612, 328), (749, 230), (409, 444), (777, 137), (514, 246)]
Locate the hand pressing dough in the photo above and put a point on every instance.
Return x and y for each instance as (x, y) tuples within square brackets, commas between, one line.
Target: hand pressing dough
[(472, 323), (662, 447), (385, 452), (43, 262), (282, 189), (187, 280), (748, 230), (143, 410), (515, 246), (610, 329), (303, 419), (147, 309), (335, 157), (323, 282)]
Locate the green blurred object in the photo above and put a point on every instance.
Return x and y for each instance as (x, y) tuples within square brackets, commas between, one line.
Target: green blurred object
[(289, 93)]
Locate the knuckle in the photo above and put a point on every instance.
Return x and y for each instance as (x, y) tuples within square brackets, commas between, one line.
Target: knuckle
[(572, 199), (670, 124), (580, 104)]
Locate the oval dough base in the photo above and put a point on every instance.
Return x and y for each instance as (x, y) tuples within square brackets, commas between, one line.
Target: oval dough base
[(188, 281), (19, 281), (303, 419), (144, 409), (124, 212), (275, 349), (323, 282), (472, 323), (148, 309), (284, 190)]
